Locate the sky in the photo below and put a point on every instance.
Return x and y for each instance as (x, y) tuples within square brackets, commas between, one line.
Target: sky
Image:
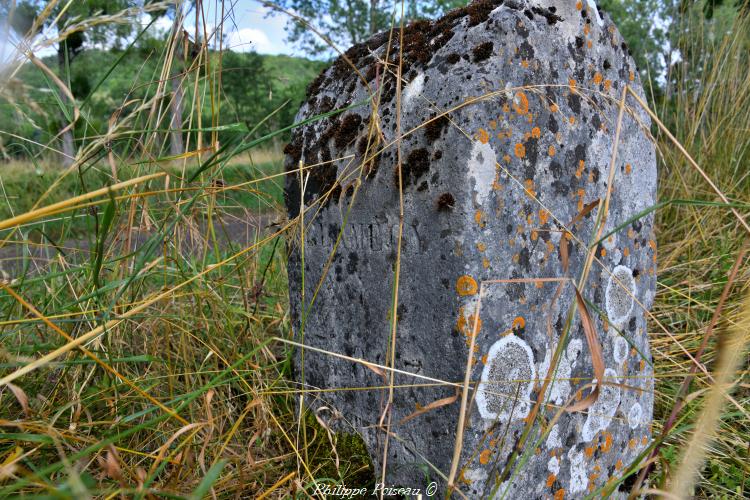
[(247, 27)]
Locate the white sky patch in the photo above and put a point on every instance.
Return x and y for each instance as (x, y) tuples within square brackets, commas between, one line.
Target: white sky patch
[(249, 39)]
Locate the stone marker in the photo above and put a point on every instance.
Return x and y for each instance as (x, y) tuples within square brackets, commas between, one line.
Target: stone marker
[(508, 117)]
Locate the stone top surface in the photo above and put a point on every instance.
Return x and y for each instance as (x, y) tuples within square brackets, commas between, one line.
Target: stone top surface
[(508, 113)]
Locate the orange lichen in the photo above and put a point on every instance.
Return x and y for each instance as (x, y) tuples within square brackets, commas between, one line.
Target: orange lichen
[(484, 457), (618, 465), (589, 451), (551, 150), (481, 247), (484, 359), (626, 251), (522, 104), (529, 188), (483, 136), (632, 76), (519, 322), (632, 444), (607, 84), (536, 133), (572, 120), (551, 480), (644, 440), (553, 108), (466, 285), (543, 216), (606, 446), (480, 218), (520, 150), (560, 494), (572, 84), (485, 263), (461, 322), (604, 252), (628, 168), (592, 479), (597, 78)]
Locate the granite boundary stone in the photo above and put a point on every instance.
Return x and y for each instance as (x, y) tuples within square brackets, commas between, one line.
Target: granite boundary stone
[(508, 113)]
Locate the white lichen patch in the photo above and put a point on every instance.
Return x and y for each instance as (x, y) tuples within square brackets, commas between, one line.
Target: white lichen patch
[(507, 380), (592, 8), (558, 390), (619, 295), (553, 438), (620, 349), (601, 412), (634, 415), (578, 476), (554, 465), (413, 89), (481, 168)]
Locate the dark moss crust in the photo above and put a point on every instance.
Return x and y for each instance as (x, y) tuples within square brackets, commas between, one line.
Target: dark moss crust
[(333, 137), (336, 135)]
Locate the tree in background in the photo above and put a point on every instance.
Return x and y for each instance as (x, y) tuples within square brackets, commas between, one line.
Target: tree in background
[(263, 91), (643, 24), (349, 22), (24, 18)]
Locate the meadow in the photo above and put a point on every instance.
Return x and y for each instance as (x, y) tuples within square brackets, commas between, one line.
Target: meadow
[(130, 366)]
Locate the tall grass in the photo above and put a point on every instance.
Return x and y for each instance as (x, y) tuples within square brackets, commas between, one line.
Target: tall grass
[(178, 388), (698, 246)]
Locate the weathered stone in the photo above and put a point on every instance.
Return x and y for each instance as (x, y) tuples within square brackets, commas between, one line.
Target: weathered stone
[(531, 92)]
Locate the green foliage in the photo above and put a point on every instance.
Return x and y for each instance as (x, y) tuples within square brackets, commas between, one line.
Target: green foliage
[(345, 23), (266, 89), (263, 92), (646, 39)]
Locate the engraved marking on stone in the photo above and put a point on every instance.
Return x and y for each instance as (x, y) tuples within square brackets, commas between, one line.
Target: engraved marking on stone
[(368, 238)]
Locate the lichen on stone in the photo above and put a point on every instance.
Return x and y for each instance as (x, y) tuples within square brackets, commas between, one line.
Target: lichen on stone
[(507, 380), (619, 295), (601, 412)]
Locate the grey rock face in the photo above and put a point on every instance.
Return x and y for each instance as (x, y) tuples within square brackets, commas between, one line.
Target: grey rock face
[(508, 116)]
